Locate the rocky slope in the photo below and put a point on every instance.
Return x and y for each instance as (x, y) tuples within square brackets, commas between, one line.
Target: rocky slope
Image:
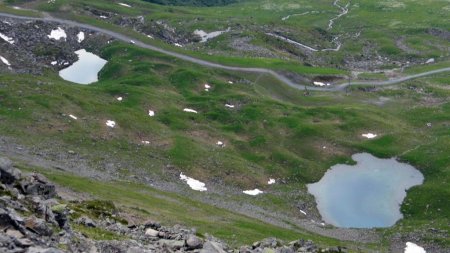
[(33, 218)]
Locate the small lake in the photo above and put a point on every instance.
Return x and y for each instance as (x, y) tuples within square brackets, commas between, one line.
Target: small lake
[(85, 70), (365, 195)]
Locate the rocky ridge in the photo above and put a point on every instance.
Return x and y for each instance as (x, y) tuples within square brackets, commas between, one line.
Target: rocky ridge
[(33, 218)]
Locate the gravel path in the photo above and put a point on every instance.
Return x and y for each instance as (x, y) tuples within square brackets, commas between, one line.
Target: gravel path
[(188, 58)]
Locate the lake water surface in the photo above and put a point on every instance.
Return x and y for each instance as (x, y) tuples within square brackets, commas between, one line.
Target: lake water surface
[(365, 195), (85, 70)]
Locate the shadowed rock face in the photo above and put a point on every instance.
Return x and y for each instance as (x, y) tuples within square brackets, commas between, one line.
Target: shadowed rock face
[(31, 214)]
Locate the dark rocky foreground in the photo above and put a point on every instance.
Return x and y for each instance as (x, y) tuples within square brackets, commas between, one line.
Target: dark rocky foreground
[(33, 218)]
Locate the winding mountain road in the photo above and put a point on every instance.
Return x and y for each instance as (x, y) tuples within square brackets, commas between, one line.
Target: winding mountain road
[(285, 80)]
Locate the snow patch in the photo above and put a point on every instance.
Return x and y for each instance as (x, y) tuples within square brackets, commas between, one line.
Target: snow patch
[(429, 61), (6, 38), (253, 192), (193, 183), (119, 98), (73, 116), (145, 142), (206, 36), (151, 113), (57, 34), (6, 62), (303, 212), (369, 135), (229, 106), (189, 110), (220, 144), (413, 248), (271, 181), (80, 37), (321, 84), (111, 123), (125, 5), (178, 45)]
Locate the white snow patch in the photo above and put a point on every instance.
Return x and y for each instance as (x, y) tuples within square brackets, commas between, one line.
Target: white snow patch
[(6, 22), (303, 212), (369, 135), (80, 37), (271, 181), (145, 142), (220, 144), (111, 123), (229, 106), (148, 35), (321, 84), (189, 110), (253, 192), (54, 63), (6, 62), (413, 248), (206, 36), (119, 98), (125, 5), (6, 38), (57, 34), (104, 17), (73, 116), (151, 113), (193, 183), (230, 82), (178, 45), (207, 86), (431, 60)]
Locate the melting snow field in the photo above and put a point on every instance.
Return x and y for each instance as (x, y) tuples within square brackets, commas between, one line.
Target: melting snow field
[(207, 36), (151, 113), (57, 34), (414, 248), (85, 70), (271, 181), (6, 38), (253, 192), (193, 183), (73, 116), (365, 195)]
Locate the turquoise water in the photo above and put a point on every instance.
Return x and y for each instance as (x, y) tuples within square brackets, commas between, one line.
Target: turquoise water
[(365, 195)]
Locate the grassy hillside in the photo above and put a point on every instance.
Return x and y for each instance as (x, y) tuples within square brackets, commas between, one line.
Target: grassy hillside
[(193, 2), (273, 131)]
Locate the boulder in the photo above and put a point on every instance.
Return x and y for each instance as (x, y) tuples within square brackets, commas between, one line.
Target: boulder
[(8, 174), (151, 232), (36, 184), (172, 244), (43, 250), (193, 242), (38, 226), (212, 247), (87, 222), (151, 224)]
